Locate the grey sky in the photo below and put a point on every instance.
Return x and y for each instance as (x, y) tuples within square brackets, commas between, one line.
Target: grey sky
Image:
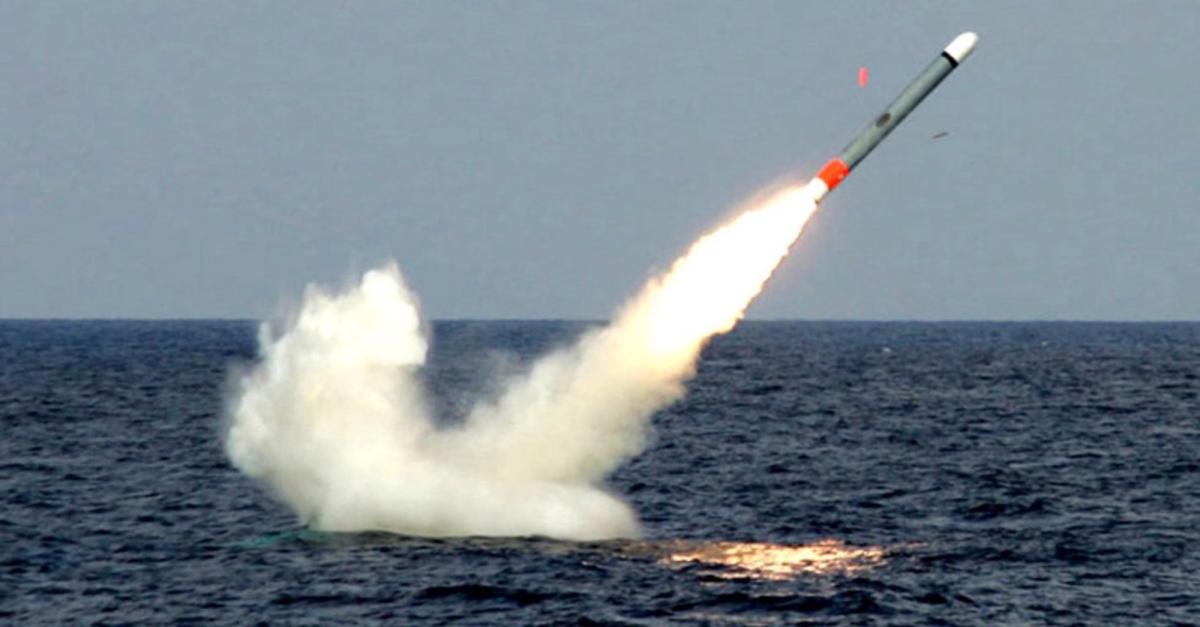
[(539, 160)]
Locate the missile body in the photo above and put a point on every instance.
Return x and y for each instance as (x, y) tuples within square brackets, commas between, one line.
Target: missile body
[(867, 139)]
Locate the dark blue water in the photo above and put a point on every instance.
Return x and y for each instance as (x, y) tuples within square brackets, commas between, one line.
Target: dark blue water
[(985, 473)]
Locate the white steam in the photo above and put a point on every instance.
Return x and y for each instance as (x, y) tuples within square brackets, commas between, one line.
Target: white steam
[(334, 420)]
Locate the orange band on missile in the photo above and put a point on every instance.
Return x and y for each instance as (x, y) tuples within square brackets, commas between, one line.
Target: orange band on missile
[(833, 172)]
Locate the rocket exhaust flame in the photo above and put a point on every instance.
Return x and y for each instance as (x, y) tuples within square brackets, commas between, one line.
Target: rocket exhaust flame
[(333, 418)]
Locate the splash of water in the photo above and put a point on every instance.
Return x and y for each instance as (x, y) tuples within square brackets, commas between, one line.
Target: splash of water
[(334, 420)]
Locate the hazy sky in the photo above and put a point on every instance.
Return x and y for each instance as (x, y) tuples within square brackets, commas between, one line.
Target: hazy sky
[(541, 159)]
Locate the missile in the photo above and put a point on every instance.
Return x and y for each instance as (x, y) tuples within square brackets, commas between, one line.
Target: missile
[(832, 174)]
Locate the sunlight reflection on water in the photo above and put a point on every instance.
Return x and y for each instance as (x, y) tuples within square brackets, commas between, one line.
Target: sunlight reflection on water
[(759, 560)]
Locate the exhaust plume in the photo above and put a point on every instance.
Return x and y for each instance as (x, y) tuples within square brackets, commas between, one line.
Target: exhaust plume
[(334, 421)]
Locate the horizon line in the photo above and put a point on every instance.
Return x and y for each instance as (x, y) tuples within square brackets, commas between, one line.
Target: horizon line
[(604, 320)]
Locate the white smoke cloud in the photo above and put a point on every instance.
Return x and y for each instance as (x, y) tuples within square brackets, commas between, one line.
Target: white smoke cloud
[(334, 419)]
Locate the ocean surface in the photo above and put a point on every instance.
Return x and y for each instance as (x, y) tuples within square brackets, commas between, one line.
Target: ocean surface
[(816, 473)]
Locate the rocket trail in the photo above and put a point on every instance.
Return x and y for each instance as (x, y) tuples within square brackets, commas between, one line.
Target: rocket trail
[(334, 420)]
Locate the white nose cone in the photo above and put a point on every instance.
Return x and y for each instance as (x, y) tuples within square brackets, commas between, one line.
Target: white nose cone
[(962, 46)]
